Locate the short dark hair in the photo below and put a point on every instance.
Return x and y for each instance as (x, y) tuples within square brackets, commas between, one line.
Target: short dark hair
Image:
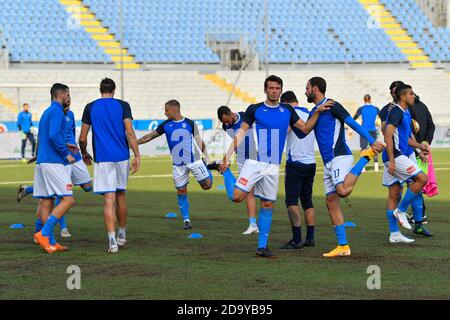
[(400, 90), (320, 83), (107, 86), (56, 89), (367, 98), (222, 111), (273, 78), (288, 97), (395, 84), (173, 103)]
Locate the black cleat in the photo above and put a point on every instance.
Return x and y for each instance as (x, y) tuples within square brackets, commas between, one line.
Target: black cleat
[(187, 225), (213, 166), (291, 245), (265, 253), (422, 231), (309, 243), (21, 193)]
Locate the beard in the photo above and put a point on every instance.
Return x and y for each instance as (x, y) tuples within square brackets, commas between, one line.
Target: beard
[(311, 98)]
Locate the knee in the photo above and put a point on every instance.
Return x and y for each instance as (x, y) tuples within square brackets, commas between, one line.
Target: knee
[(207, 185), (182, 191), (343, 192), (69, 201), (239, 196), (422, 178)]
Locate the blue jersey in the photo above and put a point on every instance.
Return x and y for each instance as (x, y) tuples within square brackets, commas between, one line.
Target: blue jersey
[(369, 115), (385, 110), (71, 133), (330, 132), (401, 120), (109, 139), (247, 150), (180, 137), (52, 136), (271, 125), (24, 121)]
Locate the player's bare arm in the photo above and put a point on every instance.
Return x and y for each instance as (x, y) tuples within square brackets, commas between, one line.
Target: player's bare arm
[(148, 137), (87, 158), (388, 135), (133, 143)]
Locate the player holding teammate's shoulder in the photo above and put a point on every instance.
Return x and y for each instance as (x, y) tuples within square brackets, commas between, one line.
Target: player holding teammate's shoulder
[(112, 135)]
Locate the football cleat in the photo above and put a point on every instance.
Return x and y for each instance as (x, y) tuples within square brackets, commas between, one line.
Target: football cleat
[(291, 245), (121, 241), (265, 253), (402, 219), (368, 153), (65, 233), (187, 225), (397, 237), (252, 228), (213, 166), (309, 243), (44, 242), (21, 192), (339, 251), (113, 248), (60, 247), (421, 230)]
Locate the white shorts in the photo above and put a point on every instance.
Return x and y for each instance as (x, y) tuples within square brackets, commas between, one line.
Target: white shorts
[(80, 174), (181, 173), (111, 177), (335, 172), (240, 167), (262, 176), (405, 169), (52, 179)]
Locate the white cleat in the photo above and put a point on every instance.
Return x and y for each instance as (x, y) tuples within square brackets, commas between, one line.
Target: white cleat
[(397, 237), (251, 229), (65, 233), (113, 249), (402, 219), (121, 241)]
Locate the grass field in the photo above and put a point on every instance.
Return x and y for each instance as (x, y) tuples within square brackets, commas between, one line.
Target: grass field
[(160, 262)]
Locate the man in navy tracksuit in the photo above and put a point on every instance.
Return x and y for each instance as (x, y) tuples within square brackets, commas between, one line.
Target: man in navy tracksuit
[(25, 123)]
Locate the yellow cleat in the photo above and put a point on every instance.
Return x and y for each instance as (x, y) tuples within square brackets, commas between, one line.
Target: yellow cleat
[(368, 153), (340, 251)]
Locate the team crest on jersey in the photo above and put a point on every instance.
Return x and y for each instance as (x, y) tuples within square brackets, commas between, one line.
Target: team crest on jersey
[(281, 109), (184, 125), (69, 187), (411, 169), (67, 119), (243, 181)]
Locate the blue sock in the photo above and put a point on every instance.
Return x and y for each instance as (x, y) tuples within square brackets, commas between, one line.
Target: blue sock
[(393, 223), (309, 232), (407, 199), (341, 235), (47, 230), (29, 190), (297, 234), (38, 225), (62, 222), (359, 166), (417, 206), (57, 201), (252, 220), (184, 206), (230, 182), (265, 222)]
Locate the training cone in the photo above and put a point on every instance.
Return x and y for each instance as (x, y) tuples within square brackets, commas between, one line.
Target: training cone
[(349, 224), (17, 226), (195, 236), (171, 215)]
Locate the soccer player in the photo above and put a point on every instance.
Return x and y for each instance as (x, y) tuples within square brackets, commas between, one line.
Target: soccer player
[(385, 110), (80, 174), (231, 123), (25, 123), (184, 143), (369, 114), (299, 178), (52, 175), (272, 121), (401, 166), (112, 134), (340, 176)]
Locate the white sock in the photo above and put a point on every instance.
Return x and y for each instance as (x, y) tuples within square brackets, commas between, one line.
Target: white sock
[(187, 220), (112, 238), (122, 233)]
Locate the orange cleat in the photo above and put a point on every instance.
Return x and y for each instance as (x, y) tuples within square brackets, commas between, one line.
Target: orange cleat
[(44, 242), (60, 247)]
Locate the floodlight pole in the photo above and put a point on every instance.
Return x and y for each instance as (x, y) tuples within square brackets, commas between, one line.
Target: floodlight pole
[(122, 82)]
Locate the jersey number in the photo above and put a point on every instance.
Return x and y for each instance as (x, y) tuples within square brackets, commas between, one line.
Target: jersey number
[(336, 173)]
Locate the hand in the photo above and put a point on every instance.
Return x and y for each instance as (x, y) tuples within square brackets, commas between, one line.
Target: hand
[(224, 167), (72, 148), (32, 160), (326, 106), (423, 157), (424, 147), (378, 146), (70, 159), (87, 159), (135, 164), (391, 167)]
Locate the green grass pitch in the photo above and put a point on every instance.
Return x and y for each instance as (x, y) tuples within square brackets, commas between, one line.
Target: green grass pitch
[(160, 262)]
